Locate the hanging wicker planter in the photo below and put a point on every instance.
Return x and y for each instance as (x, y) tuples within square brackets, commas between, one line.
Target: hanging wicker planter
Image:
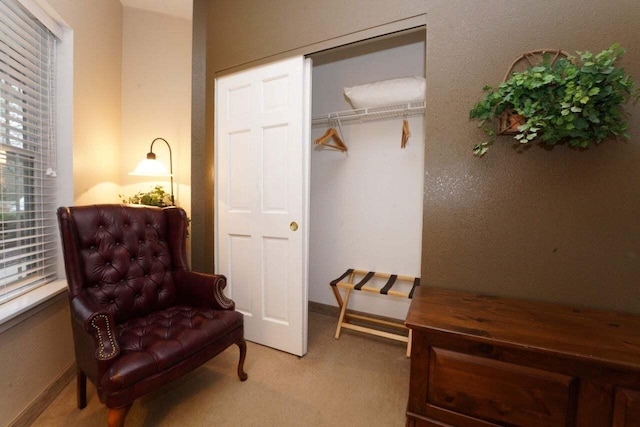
[(578, 100), (509, 121)]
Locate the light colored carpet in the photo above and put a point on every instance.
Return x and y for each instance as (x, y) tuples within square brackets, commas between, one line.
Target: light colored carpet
[(358, 380)]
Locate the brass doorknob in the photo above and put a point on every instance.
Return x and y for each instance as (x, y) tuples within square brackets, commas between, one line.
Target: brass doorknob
[(293, 226)]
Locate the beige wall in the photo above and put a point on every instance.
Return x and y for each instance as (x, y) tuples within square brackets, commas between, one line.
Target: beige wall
[(558, 225), (40, 348), (156, 98), (97, 106)]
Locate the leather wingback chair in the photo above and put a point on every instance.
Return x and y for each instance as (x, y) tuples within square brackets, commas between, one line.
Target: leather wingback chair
[(140, 317)]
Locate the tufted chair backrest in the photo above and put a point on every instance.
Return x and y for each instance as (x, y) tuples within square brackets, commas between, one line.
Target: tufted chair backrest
[(121, 257)]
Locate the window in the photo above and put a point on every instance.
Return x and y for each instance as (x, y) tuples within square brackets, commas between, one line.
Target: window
[(28, 229)]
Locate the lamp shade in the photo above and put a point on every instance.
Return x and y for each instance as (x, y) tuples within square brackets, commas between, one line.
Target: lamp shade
[(150, 167)]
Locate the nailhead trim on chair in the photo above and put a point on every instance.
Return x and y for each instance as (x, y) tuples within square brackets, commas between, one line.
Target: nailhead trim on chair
[(222, 299), (109, 336)]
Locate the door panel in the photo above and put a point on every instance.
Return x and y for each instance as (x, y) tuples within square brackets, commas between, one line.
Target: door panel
[(240, 191), (237, 273), (262, 165), (274, 169), (276, 301)]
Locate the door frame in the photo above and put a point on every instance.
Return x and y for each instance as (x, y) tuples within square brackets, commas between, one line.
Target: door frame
[(416, 23)]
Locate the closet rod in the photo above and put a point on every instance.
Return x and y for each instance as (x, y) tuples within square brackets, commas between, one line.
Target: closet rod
[(363, 115)]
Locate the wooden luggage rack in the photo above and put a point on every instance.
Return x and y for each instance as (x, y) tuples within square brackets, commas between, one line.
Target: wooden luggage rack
[(349, 285)]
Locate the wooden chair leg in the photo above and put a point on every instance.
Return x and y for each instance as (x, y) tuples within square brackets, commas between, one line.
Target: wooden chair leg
[(81, 389), (116, 416), (343, 312), (242, 345)]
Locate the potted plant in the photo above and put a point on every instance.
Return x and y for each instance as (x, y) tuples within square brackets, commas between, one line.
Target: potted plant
[(579, 101), (154, 197)]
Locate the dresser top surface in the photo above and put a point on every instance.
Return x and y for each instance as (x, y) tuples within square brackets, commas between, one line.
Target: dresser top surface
[(608, 337)]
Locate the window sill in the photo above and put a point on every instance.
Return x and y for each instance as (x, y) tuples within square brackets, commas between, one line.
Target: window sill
[(12, 311)]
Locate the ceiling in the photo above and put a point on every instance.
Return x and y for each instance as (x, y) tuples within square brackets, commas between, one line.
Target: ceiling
[(177, 8)]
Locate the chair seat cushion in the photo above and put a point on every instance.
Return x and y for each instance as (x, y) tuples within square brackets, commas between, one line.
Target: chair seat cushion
[(152, 344)]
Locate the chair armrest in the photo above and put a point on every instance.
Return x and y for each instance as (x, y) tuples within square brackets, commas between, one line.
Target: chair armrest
[(198, 289), (99, 325)]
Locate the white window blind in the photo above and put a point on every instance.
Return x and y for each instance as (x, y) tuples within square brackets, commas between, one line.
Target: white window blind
[(28, 228)]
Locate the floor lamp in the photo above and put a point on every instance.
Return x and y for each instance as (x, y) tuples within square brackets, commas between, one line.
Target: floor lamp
[(153, 167)]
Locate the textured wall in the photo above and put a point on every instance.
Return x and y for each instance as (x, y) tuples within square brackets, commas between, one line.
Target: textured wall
[(201, 145), (558, 225)]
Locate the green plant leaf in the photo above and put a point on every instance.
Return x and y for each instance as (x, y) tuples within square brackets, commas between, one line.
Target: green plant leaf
[(581, 123), (593, 91)]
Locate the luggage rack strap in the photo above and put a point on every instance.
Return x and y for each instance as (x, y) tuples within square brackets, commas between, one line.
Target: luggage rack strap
[(416, 283), (362, 282), (339, 279), (389, 284), (385, 290)]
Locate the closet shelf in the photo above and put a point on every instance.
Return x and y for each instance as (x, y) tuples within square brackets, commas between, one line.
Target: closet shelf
[(363, 115)]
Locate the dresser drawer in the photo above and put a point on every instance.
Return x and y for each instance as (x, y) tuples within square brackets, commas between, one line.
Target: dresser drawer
[(499, 392), (626, 411)]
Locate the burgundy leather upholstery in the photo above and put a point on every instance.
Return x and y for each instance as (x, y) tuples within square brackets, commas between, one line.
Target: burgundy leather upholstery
[(140, 317)]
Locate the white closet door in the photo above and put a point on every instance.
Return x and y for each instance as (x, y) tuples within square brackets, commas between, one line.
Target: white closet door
[(262, 164)]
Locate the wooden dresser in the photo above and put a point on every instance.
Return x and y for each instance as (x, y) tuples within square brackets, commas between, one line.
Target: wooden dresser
[(487, 361)]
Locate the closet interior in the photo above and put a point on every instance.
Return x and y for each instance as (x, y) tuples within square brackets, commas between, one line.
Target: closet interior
[(367, 167)]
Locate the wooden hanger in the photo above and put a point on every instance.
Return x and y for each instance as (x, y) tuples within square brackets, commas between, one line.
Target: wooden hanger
[(333, 134), (406, 133)]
